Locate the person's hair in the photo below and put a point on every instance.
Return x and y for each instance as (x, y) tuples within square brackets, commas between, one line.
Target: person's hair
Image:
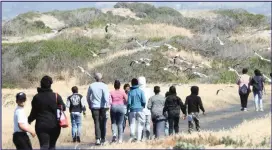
[(194, 90), (257, 72), (46, 82), (74, 89), (244, 71), (172, 90), (167, 94), (126, 85), (20, 98), (134, 82), (117, 84), (157, 89)]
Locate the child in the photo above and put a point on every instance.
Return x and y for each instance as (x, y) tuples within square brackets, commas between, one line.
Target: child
[(193, 102), (126, 88), (173, 105), (21, 126), (156, 104), (76, 106)]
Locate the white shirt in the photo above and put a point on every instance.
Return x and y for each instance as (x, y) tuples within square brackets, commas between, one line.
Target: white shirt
[(19, 117)]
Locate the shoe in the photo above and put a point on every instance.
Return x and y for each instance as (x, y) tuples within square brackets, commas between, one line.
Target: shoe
[(103, 141), (114, 139), (98, 142), (245, 109), (120, 141), (78, 139), (74, 139), (257, 109), (261, 110), (242, 109)]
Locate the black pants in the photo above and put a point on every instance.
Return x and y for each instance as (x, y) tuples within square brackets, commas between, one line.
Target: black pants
[(194, 119), (158, 127), (48, 137), (173, 124), (99, 117), (22, 141), (244, 98)]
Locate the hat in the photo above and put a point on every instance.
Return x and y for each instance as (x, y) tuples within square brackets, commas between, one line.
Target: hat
[(20, 96), (98, 76)]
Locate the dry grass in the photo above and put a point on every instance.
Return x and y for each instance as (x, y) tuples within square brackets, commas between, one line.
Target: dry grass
[(199, 14), (207, 93), (50, 21)]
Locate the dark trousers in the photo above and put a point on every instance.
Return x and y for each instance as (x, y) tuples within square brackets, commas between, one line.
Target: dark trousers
[(21, 141), (173, 124), (158, 128), (48, 137), (99, 117), (244, 98), (193, 118)]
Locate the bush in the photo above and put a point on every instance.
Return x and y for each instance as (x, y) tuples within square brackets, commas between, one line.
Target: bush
[(183, 145)]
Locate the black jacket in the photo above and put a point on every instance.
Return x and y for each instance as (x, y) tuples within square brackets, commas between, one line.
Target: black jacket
[(194, 103), (173, 105), (44, 109)]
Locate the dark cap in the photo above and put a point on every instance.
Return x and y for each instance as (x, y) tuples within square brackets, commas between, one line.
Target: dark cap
[(20, 96)]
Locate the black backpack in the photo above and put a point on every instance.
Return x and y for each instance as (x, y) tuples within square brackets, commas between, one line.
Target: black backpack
[(243, 89)]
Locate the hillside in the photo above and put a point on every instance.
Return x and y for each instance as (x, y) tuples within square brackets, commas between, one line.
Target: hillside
[(55, 43)]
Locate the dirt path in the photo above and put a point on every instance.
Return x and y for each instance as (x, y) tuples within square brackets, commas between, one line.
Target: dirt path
[(214, 121)]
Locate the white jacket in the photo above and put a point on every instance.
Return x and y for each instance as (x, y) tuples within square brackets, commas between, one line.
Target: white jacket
[(147, 92)]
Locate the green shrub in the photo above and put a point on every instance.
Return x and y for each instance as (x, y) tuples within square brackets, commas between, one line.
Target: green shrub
[(183, 145)]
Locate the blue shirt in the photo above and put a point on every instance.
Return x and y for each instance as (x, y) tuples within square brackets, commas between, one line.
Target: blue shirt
[(98, 95), (136, 99)]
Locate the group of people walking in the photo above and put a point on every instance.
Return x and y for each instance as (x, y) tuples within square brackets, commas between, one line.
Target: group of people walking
[(257, 82), (136, 104)]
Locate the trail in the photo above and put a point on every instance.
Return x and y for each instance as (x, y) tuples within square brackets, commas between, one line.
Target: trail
[(213, 121)]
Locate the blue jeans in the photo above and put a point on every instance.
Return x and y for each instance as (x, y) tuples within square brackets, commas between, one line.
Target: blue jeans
[(76, 124), (117, 114), (258, 95)]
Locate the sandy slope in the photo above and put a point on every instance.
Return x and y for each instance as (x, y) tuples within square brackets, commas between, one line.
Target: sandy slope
[(124, 12)]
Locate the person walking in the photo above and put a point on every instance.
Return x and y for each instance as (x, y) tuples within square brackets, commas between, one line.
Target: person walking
[(117, 111), (126, 89), (257, 83), (194, 102), (136, 104), (44, 111), (76, 106), (98, 98), (173, 105), (147, 93), (243, 83), (156, 104), (21, 126)]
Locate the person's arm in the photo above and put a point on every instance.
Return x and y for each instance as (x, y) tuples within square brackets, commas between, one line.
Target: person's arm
[(201, 105), (129, 102), (23, 125), (83, 105), (182, 106), (186, 105), (60, 102), (143, 99), (125, 97), (89, 93), (149, 104), (165, 108), (68, 103), (106, 94), (33, 112)]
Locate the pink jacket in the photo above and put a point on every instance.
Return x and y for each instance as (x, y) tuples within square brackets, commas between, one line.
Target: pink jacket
[(118, 97)]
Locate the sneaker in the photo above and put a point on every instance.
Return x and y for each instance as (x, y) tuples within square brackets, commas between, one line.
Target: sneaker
[(257, 109), (114, 139), (103, 141), (78, 139), (245, 109), (74, 139), (98, 142), (261, 110), (242, 109), (120, 141)]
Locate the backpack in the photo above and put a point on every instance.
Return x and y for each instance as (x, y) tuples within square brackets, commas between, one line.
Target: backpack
[(257, 84), (243, 89)]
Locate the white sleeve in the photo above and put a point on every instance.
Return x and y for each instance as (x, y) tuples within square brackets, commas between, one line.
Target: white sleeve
[(21, 116), (68, 103)]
